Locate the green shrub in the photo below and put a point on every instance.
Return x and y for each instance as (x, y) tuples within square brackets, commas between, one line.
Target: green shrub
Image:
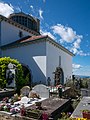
[(4, 66)]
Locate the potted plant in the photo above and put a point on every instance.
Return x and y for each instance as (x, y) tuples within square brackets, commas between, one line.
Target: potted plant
[(86, 114)]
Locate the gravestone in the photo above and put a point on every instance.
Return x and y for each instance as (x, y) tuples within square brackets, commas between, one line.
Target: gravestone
[(42, 90), (33, 94), (24, 100), (25, 91)]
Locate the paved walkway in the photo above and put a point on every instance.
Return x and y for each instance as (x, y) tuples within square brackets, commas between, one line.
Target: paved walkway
[(83, 105)]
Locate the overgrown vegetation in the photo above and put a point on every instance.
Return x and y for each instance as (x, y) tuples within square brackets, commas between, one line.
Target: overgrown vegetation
[(20, 82), (76, 86), (80, 82)]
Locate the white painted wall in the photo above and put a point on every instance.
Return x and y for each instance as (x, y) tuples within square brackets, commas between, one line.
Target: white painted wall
[(53, 54), (10, 33), (42, 58), (33, 55)]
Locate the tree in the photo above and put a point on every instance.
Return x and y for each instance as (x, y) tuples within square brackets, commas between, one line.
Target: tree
[(80, 83), (86, 84)]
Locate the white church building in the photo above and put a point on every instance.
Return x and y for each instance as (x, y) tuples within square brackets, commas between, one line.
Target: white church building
[(20, 39)]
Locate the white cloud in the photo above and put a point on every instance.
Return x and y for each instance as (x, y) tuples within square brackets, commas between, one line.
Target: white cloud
[(81, 53), (77, 50), (76, 67), (47, 33), (76, 46), (6, 9), (74, 50), (84, 70), (31, 6), (77, 43), (40, 13), (66, 33)]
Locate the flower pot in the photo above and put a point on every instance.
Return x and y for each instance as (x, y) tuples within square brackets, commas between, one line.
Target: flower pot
[(86, 115)]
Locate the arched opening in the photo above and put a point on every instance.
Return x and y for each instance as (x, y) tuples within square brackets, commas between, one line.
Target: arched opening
[(58, 76), (27, 75)]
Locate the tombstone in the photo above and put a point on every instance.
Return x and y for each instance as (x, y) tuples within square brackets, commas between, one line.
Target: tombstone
[(33, 94), (25, 91), (42, 90), (10, 76), (24, 100)]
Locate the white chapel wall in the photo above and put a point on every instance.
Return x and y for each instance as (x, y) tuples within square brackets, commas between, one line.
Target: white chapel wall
[(33, 55), (53, 54), (10, 33)]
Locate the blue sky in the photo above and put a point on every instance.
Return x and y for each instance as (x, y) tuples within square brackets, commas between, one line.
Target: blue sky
[(66, 21)]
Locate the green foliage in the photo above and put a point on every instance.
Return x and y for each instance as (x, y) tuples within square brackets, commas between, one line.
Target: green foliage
[(3, 67), (83, 83), (65, 116), (75, 102), (69, 83)]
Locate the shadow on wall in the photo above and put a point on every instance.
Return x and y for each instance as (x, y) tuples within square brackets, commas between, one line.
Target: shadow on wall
[(38, 68)]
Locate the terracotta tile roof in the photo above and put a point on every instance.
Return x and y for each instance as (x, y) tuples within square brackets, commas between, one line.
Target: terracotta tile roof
[(33, 38)]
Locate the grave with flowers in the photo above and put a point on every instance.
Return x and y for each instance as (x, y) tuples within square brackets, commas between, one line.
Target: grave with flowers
[(33, 104), (18, 104)]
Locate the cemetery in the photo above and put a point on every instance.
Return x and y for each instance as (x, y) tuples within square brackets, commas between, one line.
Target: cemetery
[(40, 102), (34, 104), (19, 101)]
